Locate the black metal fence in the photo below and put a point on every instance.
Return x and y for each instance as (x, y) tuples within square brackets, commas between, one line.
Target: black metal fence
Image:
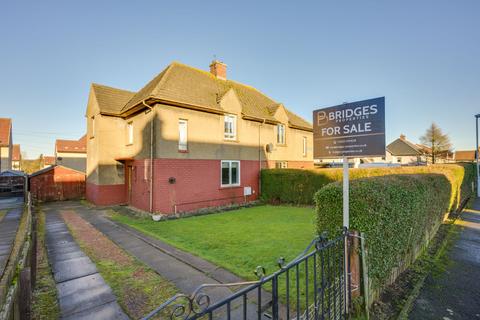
[(312, 286)]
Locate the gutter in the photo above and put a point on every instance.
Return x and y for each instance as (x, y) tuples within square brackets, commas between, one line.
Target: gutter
[(151, 155)]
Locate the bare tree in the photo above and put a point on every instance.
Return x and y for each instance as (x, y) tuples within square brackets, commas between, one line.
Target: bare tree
[(436, 140)]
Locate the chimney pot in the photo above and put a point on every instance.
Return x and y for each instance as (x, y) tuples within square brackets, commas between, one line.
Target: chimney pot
[(402, 136), (218, 69)]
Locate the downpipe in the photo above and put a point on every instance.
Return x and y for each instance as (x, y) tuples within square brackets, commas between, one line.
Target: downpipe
[(151, 155)]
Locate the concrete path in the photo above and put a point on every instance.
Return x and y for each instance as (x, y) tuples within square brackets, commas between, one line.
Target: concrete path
[(184, 270), (82, 292), (8, 230), (455, 294)]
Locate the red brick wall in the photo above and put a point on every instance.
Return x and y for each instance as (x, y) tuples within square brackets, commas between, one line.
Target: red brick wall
[(197, 185), (58, 184), (104, 195)]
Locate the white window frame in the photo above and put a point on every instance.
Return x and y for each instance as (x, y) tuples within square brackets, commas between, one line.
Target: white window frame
[(230, 118), (182, 145), (129, 133), (281, 137), (230, 184), (304, 150), (281, 165)]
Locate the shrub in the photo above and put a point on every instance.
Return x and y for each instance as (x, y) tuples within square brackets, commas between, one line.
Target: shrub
[(298, 186), (399, 213)]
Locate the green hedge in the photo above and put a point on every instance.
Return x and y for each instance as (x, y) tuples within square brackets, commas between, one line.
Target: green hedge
[(297, 186), (399, 213)]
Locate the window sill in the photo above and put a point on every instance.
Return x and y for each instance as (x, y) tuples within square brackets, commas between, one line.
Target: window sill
[(182, 151), (129, 144), (230, 140), (281, 144), (230, 186)]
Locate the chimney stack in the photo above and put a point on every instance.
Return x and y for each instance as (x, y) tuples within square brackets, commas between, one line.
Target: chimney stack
[(218, 69), (402, 136)]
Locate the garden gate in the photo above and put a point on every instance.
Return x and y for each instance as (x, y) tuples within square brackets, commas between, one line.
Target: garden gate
[(312, 286)]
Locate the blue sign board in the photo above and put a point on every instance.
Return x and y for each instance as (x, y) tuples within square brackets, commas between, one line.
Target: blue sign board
[(355, 129)]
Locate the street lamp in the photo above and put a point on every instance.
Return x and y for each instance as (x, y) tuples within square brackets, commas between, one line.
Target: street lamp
[(476, 154)]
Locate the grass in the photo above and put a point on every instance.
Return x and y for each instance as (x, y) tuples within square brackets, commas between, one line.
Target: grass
[(238, 240), (45, 303)]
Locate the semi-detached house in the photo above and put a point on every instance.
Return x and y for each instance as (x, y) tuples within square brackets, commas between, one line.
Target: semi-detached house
[(189, 139)]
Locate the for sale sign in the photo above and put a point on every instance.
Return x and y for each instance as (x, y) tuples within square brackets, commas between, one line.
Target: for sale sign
[(354, 130)]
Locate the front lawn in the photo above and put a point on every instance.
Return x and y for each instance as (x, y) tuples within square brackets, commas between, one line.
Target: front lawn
[(237, 240)]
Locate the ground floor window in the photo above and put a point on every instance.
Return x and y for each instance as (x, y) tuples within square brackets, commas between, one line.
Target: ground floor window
[(281, 164), (230, 174)]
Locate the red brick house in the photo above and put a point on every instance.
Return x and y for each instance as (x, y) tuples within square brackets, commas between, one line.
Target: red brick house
[(189, 139), (6, 144)]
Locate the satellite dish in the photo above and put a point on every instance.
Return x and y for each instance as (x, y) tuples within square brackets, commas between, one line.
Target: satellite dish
[(269, 147)]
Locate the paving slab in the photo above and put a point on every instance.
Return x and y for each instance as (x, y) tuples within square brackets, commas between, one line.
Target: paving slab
[(8, 230), (73, 268), (82, 292), (455, 294), (107, 311)]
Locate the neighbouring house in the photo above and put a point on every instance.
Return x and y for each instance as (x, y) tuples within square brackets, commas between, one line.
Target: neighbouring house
[(16, 157), (465, 156), (48, 161), (189, 139), (71, 153), (405, 152), (6, 144), (57, 183)]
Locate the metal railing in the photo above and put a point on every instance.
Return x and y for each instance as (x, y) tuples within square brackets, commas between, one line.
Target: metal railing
[(311, 286)]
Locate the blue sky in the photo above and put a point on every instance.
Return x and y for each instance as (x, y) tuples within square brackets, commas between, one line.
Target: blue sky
[(423, 56)]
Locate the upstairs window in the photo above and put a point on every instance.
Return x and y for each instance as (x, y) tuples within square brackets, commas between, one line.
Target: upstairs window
[(230, 127), (129, 133), (182, 135), (230, 174), (280, 133), (304, 151)]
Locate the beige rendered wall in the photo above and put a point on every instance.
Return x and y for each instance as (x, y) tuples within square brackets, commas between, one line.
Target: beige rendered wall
[(104, 146), (6, 159)]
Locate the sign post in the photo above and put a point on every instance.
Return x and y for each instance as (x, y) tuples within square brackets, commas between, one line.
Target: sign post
[(349, 130), (346, 189)]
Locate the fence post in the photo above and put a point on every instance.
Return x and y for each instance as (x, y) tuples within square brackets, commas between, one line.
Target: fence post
[(33, 255), (275, 297), (25, 294), (354, 265)]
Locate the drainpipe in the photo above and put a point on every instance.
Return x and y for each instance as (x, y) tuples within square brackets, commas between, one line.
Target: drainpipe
[(151, 154), (260, 158)]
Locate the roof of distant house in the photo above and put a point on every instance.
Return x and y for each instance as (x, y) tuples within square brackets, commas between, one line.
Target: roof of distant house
[(48, 160), (403, 147), (71, 146), (187, 86), (5, 131), (16, 155), (465, 155)]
